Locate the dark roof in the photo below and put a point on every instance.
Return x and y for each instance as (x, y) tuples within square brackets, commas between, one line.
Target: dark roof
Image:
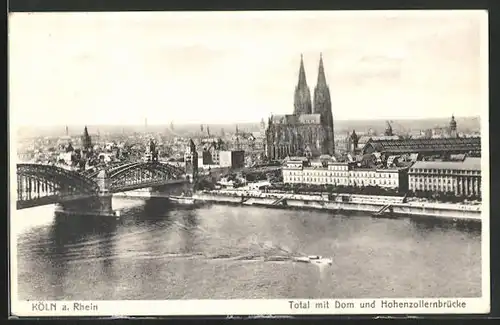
[(426, 145), (470, 163)]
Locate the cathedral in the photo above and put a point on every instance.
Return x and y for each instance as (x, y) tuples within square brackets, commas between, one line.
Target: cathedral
[(309, 130)]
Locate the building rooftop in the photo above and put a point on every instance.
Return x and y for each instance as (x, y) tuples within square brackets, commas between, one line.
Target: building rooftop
[(339, 163), (258, 135), (297, 159), (426, 145), (310, 118), (470, 163), (284, 119)]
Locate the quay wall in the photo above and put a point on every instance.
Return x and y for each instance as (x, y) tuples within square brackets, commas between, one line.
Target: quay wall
[(447, 211)]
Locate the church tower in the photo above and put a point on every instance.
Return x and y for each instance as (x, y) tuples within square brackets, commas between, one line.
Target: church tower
[(453, 127), (323, 106), (302, 102), (86, 141)]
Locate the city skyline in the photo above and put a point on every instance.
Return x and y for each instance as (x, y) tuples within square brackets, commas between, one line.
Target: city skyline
[(427, 63)]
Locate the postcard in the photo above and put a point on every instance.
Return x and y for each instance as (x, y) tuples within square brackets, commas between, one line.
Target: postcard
[(249, 163)]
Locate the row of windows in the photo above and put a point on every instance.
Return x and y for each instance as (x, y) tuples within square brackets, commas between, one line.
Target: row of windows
[(439, 180), (445, 171), (464, 184), (338, 167), (300, 173), (373, 182), (319, 180), (339, 181), (383, 175), (311, 173), (438, 186), (433, 188), (445, 188), (326, 174)]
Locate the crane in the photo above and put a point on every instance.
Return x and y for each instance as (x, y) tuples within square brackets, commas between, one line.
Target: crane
[(402, 130)]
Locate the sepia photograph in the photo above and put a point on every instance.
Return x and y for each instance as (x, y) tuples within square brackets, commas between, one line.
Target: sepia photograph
[(248, 163)]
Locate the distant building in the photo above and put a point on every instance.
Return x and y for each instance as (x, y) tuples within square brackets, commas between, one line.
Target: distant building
[(209, 155), (344, 173), (232, 159), (105, 157), (65, 157), (352, 143), (462, 178), (206, 157)]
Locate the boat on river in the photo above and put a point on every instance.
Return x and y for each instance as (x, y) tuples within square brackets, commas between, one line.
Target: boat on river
[(314, 259), (182, 200)]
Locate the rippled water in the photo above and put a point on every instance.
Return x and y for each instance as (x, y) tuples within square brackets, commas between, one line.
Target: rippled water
[(157, 252)]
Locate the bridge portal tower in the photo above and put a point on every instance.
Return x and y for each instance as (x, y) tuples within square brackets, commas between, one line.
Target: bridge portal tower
[(153, 150), (103, 182), (191, 161)]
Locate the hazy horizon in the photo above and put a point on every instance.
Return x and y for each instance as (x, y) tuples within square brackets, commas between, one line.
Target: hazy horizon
[(465, 124), (121, 68), (215, 123)]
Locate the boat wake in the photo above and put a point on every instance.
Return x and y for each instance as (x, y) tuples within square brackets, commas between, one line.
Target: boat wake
[(249, 250), (141, 255)]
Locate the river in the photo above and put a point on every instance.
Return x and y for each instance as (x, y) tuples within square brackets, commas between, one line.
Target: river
[(158, 252)]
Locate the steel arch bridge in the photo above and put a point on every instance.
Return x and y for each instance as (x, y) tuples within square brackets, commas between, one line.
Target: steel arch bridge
[(136, 175), (47, 184)]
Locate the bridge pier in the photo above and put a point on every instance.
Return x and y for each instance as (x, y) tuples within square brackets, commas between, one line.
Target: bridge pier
[(94, 205)]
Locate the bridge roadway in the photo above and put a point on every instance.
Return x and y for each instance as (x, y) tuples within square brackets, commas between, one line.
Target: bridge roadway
[(48, 184)]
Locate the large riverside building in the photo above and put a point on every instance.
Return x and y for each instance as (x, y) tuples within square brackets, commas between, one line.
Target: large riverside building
[(346, 174), (309, 130), (463, 178)]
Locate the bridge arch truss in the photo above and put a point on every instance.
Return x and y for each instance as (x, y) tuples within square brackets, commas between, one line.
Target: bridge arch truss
[(142, 174), (39, 183)]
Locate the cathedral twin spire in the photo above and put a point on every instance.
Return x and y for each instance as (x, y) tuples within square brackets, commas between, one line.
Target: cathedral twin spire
[(302, 103), (321, 73), (322, 103)]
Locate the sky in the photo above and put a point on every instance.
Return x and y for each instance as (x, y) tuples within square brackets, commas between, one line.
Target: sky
[(223, 67)]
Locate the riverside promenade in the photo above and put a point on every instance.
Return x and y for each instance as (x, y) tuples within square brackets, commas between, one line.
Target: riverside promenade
[(344, 203)]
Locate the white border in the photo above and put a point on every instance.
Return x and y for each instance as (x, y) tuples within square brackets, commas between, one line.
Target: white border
[(273, 306), (238, 307)]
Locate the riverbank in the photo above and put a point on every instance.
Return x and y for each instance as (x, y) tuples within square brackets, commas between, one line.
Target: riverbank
[(278, 200)]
